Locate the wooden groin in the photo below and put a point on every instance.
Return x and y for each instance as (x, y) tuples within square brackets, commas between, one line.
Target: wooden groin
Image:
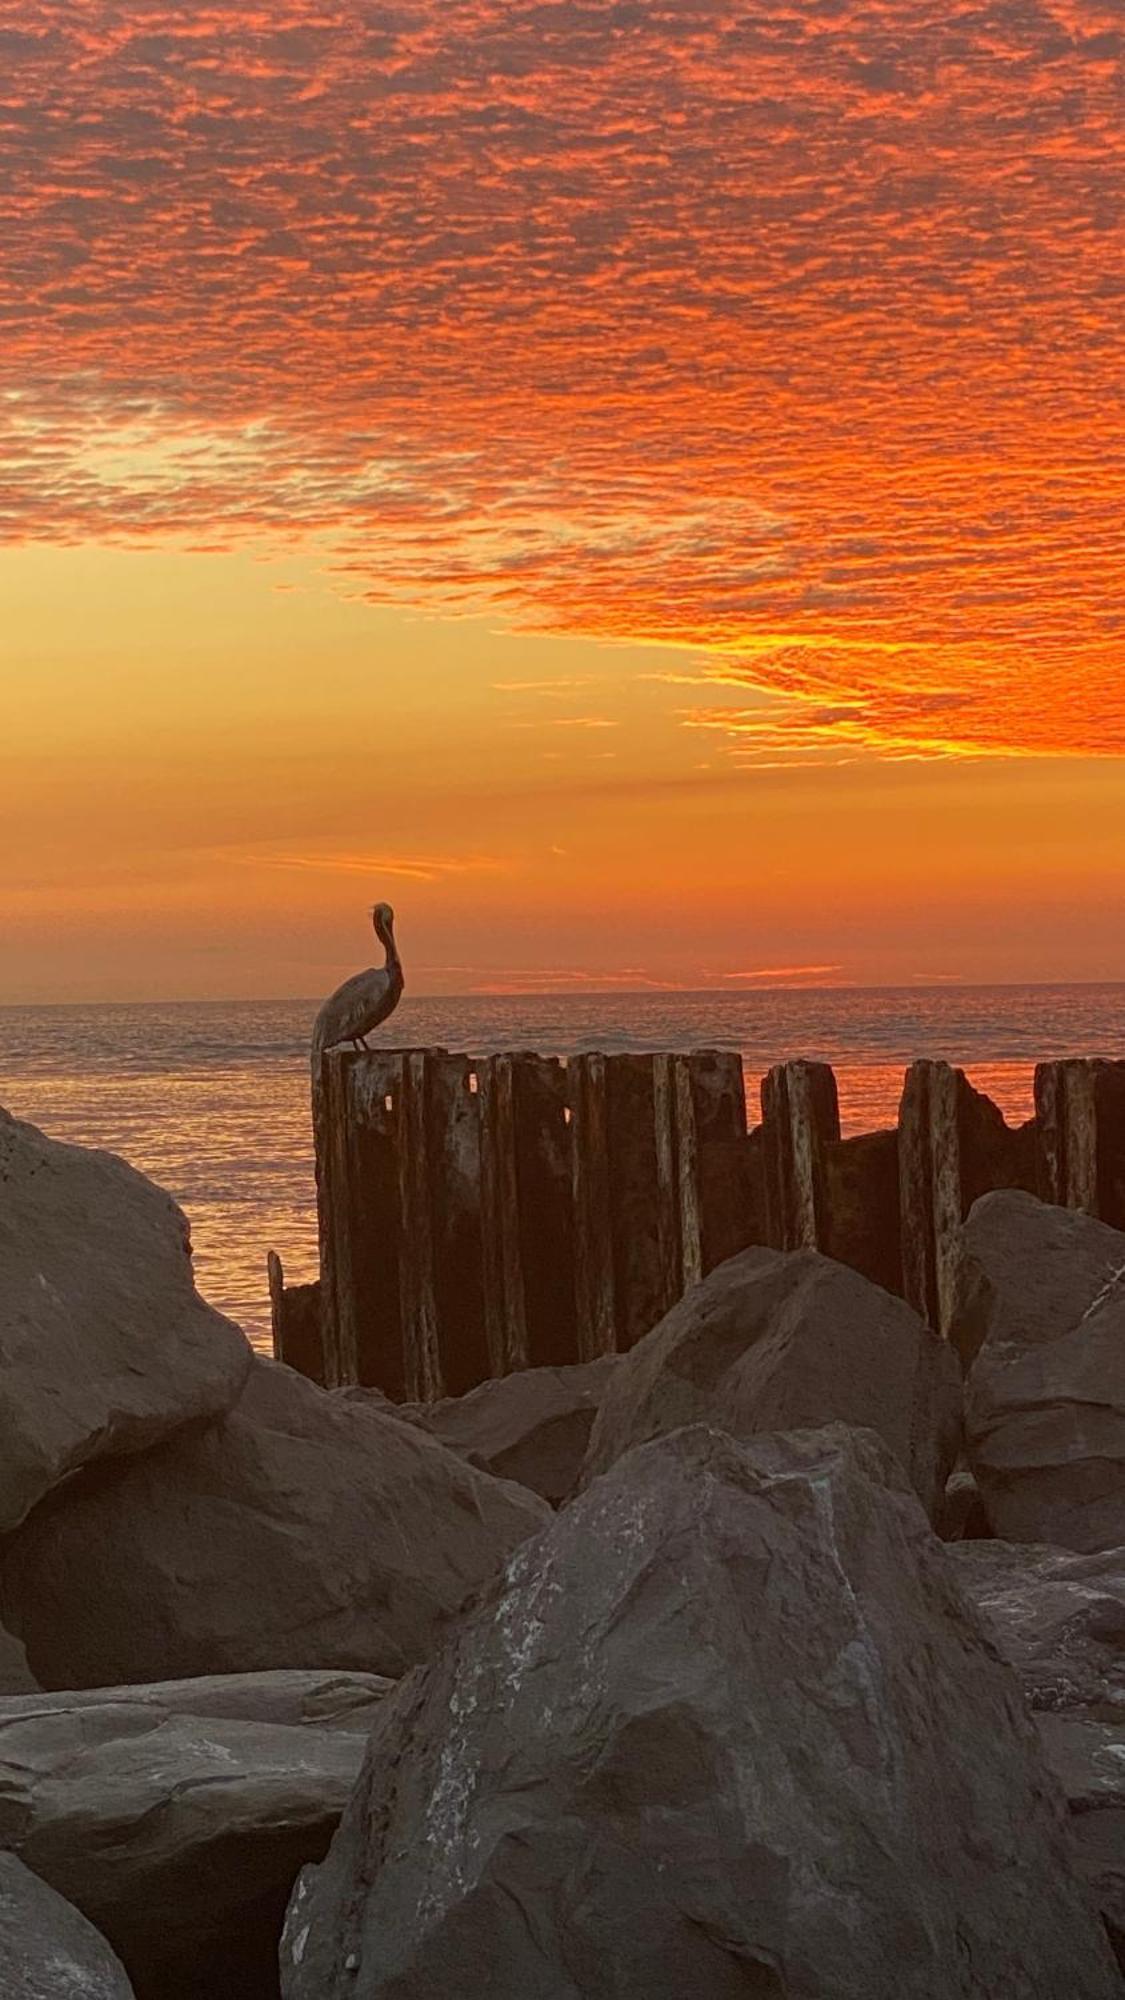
[(480, 1215)]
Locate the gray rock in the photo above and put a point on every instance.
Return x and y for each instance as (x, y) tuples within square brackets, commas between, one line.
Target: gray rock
[(303, 1531), (775, 1340), (16, 1676), (1058, 1617), (727, 1727), (48, 1951), (105, 1345), (1040, 1316), (532, 1427), (1088, 1760), (175, 1817)]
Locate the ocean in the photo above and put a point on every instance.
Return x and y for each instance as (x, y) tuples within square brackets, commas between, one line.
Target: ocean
[(211, 1098)]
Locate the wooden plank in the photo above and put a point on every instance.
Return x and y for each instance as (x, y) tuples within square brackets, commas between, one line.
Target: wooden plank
[(915, 1194), (504, 1303), (931, 1199), (373, 1217), (544, 1188), (690, 1190), (642, 1217), (946, 1188), (275, 1277), (1067, 1131), (800, 1116), (421, 1355), (453, 1119), (341, 1361), (595, 1308), (667, 1109), (295, 1322)]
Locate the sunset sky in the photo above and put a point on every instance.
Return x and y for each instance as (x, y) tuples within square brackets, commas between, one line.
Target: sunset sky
[(638, 484)]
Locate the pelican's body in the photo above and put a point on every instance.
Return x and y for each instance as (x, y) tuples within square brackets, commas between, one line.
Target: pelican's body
[(367, 998)]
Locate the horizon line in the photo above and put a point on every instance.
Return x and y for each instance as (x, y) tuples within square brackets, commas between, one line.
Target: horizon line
[(739, 993)]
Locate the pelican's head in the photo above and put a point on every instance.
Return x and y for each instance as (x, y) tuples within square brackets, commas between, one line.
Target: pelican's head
[(383, 917)]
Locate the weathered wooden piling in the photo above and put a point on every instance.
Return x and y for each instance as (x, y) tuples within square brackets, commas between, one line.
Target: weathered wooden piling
[(1080, 1121), (295, 1321), (642, 1131), (953, 1146), (800, 1119), (480, 1215)]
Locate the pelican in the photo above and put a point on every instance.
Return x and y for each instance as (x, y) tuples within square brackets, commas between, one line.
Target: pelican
[(367, 998)]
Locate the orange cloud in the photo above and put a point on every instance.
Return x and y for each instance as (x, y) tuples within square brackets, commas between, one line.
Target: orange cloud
[(790, 336)]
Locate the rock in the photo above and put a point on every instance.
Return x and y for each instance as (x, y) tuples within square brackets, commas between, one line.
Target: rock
[(774, 1340), (48, 1951), (1040, 1318), (1088, 1760), (304, 1531), (16, 1676), (176, 1816), (961, 1518), (1059, 1618), (727, 1727), (532, 1427), (105, 1345)]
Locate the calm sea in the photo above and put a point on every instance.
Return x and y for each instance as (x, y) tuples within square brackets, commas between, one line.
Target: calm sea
[(212, 1099)]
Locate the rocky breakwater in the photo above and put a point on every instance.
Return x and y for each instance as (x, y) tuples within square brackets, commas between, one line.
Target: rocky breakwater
[(732, 1720)]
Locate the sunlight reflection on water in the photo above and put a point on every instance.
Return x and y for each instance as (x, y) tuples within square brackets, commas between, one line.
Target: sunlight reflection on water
[(212, 1099)]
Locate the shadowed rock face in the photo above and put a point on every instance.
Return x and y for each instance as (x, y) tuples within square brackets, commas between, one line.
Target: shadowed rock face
[(773, 1340), (726, 1727), (15, 1675), (533, 1426), (303, 1531), (176, 1816), (105, 1345), (1060, 1619), (1041, 1318), (48, 1951)]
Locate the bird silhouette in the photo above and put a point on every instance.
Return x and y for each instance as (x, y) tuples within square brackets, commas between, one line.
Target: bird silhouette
[(349, 1014)]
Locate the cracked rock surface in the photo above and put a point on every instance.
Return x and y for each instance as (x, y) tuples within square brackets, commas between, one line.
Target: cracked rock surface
[(728, 1726)]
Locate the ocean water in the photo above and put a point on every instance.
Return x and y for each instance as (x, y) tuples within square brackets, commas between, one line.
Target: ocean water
[(211, 1098)]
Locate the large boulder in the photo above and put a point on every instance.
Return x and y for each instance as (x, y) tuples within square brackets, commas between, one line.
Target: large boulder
[(48, 1951), (727, 1727), (775, 1340), (105, 1345), (533, 1426), (303, 1531), (175, 1817), (1040, 1319)]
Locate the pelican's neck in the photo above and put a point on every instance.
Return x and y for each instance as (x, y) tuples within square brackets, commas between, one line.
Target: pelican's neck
[(386, 937)]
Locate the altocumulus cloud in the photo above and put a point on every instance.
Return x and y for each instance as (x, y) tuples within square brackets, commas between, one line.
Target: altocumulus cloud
[(791, 334)]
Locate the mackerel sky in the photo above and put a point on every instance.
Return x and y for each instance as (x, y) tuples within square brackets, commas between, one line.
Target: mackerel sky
[(774, 353)]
